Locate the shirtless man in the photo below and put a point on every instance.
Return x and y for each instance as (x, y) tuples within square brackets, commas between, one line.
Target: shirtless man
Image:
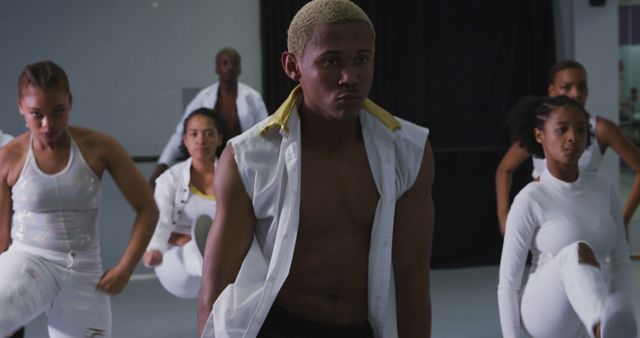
[(324, 219), (240, 105)]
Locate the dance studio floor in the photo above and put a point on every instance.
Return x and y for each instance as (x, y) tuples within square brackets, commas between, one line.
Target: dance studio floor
[(463, 300), (464, 306)]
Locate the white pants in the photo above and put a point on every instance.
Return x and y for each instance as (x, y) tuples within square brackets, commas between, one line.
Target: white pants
[(181, 270), (62, 285), (566, 298)]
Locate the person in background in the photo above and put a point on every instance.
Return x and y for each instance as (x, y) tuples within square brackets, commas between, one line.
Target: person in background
[(50, 183), (239, 105), (569, 78), (579, 282), (185, 197)]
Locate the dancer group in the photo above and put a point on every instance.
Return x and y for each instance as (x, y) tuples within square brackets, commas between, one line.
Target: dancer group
[(316, 221)]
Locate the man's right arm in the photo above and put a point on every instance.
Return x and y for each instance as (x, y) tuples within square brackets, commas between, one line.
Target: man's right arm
[(5, 215), (230, 236)]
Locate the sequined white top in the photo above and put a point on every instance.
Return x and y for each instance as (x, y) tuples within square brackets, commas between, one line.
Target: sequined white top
[(57, 212)]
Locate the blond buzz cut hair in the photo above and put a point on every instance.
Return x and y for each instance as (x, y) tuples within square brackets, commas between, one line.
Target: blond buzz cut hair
[(318, 12)]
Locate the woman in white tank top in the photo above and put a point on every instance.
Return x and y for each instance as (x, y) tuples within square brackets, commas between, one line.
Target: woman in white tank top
[(569, 78), (50, 181), (184, 195)]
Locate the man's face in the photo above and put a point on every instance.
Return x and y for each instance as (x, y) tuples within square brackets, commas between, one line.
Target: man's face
[(228, 67), (336, 69)]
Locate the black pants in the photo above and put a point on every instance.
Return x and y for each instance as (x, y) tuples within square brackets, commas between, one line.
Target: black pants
[(282, 324)]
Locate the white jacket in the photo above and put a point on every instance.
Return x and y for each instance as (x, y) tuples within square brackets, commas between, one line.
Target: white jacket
[(251, 110), (269, 163), (171, 195)]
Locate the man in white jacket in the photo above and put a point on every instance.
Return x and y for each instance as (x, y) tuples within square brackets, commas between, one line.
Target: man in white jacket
[(324, 212), (240, 105)]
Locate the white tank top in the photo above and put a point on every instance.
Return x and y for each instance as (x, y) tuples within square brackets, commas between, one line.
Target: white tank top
[(589, 161), (197, 204), (57, 212)]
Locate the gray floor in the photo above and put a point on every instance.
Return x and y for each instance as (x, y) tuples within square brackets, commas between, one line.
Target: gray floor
[(463, 300)]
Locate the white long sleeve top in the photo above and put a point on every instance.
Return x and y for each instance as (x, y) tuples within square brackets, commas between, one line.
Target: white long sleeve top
[(548, 215)]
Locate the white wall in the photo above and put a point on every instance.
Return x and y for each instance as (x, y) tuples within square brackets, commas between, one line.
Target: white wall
[(596, 47), (590, 36), (128, 61)]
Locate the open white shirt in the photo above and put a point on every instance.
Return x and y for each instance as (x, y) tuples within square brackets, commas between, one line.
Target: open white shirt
[(270, 166)]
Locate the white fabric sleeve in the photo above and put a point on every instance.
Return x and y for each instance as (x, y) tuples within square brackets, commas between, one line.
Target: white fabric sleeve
[(620, 263), (164, 195), (521, 223)]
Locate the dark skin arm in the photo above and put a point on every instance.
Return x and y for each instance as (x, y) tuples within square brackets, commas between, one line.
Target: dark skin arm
[(412, 240), (609, 135), (5, 215), (134, 188), (11, 160), (514, 157), (230, 235)]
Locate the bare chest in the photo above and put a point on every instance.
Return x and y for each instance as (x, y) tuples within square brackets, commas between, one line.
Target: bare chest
[(338, 193), (226, 106)]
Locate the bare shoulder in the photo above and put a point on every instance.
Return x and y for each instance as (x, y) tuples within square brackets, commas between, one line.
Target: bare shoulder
[(227, 173), (605, 128), (101, 151), (90, 137), (427, 168), (12, 157), (609, 134), (93, 141)]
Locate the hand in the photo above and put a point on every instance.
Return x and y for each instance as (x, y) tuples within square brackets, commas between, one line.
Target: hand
[(114, 280), (152, 258)]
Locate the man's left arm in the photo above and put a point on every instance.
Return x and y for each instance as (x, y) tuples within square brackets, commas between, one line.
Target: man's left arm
[(412, 239)]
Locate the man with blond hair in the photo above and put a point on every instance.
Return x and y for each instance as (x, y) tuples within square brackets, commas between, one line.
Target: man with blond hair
[(324, 216)]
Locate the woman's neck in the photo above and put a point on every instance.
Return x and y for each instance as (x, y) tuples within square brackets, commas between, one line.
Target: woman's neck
[(202, 172), (60, 143), (567, 172), (202, 166)]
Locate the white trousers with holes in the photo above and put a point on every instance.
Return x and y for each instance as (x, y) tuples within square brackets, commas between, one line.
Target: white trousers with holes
[(62, 285), (181, 270), (566, 298)]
